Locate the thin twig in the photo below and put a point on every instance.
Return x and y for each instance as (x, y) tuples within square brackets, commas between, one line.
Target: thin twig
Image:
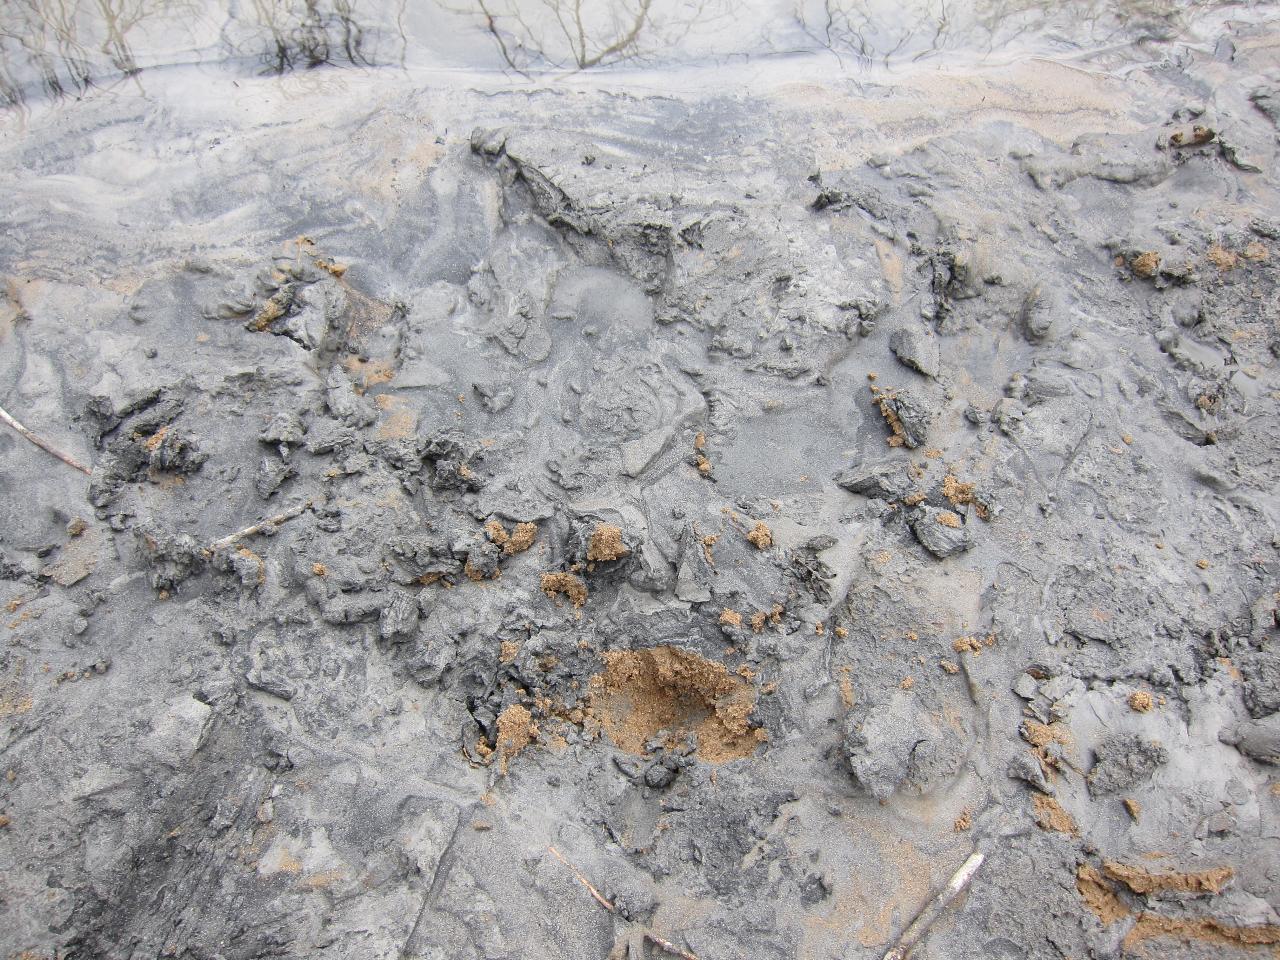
[(918, 927), (261, 526), (600, 897), (46, 447), (668, 946)]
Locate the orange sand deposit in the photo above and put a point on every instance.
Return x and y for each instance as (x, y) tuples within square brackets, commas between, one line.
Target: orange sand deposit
[(643, 692)]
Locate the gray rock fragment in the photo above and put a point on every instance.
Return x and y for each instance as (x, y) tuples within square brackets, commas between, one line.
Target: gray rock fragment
[(494, 397), (1041, 317), (1258, 739), (887, 481), (270, 681), (272, 473), (343, 401), (916, 349), (1025, 767), (285, 430), (399, 618), (943, 533), (1124, 760), (908, 413)]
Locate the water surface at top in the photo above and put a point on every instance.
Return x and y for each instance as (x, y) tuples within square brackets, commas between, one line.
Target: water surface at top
[(65, 47)]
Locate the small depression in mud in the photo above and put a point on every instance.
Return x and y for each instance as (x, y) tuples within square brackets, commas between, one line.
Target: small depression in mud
[(669, 694)]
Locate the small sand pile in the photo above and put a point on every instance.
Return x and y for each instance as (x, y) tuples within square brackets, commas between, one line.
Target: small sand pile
[(516, 541), (1140, 701), (1050, 815), (1144, 881), (567, 584), (958, 493), (606, 544), (761, 536), (1146, 264), (516, 730), (730, 618), (641, 693)]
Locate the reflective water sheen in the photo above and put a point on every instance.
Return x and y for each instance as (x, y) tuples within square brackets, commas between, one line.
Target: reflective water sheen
[(65, 47)]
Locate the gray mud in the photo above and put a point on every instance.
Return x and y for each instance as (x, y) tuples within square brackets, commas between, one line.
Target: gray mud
[(737, 507)]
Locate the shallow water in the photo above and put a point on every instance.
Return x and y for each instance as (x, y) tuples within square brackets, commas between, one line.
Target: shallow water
[(60, 48)]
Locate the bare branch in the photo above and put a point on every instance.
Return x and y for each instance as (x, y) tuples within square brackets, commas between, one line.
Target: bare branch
[(43, 444), (919, 927), (261, 526), (668, 946), (600, 897)]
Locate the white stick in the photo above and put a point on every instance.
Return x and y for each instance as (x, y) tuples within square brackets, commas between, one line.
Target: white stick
[(267, 524), (920, 925), (46, 447)]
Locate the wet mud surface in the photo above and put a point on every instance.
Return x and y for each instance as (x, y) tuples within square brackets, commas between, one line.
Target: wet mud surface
[(556, 522)]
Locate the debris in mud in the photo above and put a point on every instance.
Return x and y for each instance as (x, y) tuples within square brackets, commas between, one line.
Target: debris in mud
[(1198, 136), (493, 607)]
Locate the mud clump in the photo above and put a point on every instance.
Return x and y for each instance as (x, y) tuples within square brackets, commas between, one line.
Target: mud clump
[(1124, 761), (669, 694)]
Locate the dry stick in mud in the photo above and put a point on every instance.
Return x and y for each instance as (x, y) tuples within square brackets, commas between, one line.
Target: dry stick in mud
[(46, 447), (261, 525), (669, 946), (918, 927), (601, 899)]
